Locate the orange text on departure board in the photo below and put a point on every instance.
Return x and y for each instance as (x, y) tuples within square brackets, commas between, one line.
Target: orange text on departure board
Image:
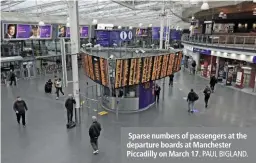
[(96, 69), (91, 73), (132, 73), (164, 66), (149, 69), (125, 72), (104, 71), (145, 69), (118, 73), (170, 64), (159, 65), (138, 71)]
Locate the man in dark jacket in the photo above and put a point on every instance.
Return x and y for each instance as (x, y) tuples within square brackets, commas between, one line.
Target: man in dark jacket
[(194, 67), (213, 81), (157, 93), (192, 97), (171, 79), (20, 109), (207, 94), (69, 104), (94, 133), (12, 78)]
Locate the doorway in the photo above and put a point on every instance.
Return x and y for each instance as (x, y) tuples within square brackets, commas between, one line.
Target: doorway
[(28, 69)]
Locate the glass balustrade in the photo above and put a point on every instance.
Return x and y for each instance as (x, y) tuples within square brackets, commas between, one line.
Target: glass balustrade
[(229, 41)]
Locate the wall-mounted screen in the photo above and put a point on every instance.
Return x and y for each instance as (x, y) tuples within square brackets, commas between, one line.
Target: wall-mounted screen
[(156, 33), (141, 32), (135, 71), (170, 66), (147, 69), (102, 38), (96, 68), (26, 31), (157, 67), (164, 66), (64, 31)]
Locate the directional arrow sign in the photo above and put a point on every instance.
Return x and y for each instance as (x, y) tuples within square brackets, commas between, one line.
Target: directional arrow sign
[(123, 35)]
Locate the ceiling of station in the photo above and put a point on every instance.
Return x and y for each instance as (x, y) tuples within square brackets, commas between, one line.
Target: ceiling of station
[(117, 12)]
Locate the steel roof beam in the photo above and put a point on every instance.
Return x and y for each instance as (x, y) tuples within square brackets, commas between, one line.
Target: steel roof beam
[(45, 5), (124, 4)]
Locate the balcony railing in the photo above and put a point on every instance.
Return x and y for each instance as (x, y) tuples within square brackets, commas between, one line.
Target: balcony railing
[(228, 41)]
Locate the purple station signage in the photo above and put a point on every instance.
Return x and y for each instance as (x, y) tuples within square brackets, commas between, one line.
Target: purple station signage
[(64, 31), (202, 51), (27, 31)]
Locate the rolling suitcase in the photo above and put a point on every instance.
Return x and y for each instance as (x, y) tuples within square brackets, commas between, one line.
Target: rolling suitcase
[(71, 125)]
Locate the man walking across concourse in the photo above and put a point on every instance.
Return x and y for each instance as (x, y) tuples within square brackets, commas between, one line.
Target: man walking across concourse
[(20, 109), (94, 133), (192, 97), (69, 104)]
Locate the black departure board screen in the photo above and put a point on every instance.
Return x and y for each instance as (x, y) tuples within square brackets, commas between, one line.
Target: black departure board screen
[(96, 68), (125, 74), (104, 71), (156, 67), (178, 61), (90, 66), (122, 72), (85, 65), (135, 71), (118, 76), (170, 64), (164, 66), (146, 69)]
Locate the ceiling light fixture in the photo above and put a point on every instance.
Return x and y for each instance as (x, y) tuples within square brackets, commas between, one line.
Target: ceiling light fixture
[(41, 23), (254, 1), (130, 27), (205, 6), (150, 25), (140, 24), (67, 25), (94, 21), (119, 27)]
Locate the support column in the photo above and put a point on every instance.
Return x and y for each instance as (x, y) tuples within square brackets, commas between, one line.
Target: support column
[(161, 30), (217, 67), (75, 44)]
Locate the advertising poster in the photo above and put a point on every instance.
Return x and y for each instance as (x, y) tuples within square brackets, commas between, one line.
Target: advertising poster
[(102, 38), (239, 79), (26, 31), (205, 70), (229, 76), (64, 31), (156, 33), (141, 32)]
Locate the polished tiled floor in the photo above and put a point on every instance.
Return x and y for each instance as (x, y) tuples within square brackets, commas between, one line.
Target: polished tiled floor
[(46, 140)]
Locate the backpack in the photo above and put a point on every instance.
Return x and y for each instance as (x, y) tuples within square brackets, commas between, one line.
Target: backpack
[(196, 97), (208, 91)]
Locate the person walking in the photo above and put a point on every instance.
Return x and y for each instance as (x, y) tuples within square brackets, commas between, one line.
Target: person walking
[(194, 67), (94, 133), (207, 94), (171, 80), (157, 93), (48, 86), (12, 77), (54, 82), (192, 97), (20, 109), (69, 104), (59, 88), (213, 81)]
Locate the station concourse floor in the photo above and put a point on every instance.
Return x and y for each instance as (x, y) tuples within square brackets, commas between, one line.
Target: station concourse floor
[(46, 139)]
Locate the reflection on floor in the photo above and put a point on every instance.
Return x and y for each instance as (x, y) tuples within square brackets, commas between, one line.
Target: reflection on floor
[(45, 139)]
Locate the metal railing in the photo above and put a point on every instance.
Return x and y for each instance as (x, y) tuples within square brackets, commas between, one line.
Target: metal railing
[(228, 41)]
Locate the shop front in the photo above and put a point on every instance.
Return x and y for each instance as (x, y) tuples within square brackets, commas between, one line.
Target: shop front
[(207, 62)]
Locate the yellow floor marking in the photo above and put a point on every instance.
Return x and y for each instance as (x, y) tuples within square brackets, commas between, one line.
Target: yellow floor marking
[(103, 113)]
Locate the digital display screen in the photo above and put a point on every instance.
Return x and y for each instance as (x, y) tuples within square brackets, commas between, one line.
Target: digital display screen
[(86, 65), (125, 76), (104, 71), (164, 66), (170, 64), (64, 31), (96, 68), (156, 67), (135, 71), (141, 32), (27, 31), (178, 60), (118, 76), (102, 38), (147, 69)]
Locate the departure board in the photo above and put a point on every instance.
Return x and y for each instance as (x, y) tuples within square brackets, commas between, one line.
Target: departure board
[(156, 67), (90, 65), (85, 64), (178, 61), (125, 74), (146, 69), (104, 71), (170, 64), (164, 66), (96, 68), (135, 71), (118, 75)]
